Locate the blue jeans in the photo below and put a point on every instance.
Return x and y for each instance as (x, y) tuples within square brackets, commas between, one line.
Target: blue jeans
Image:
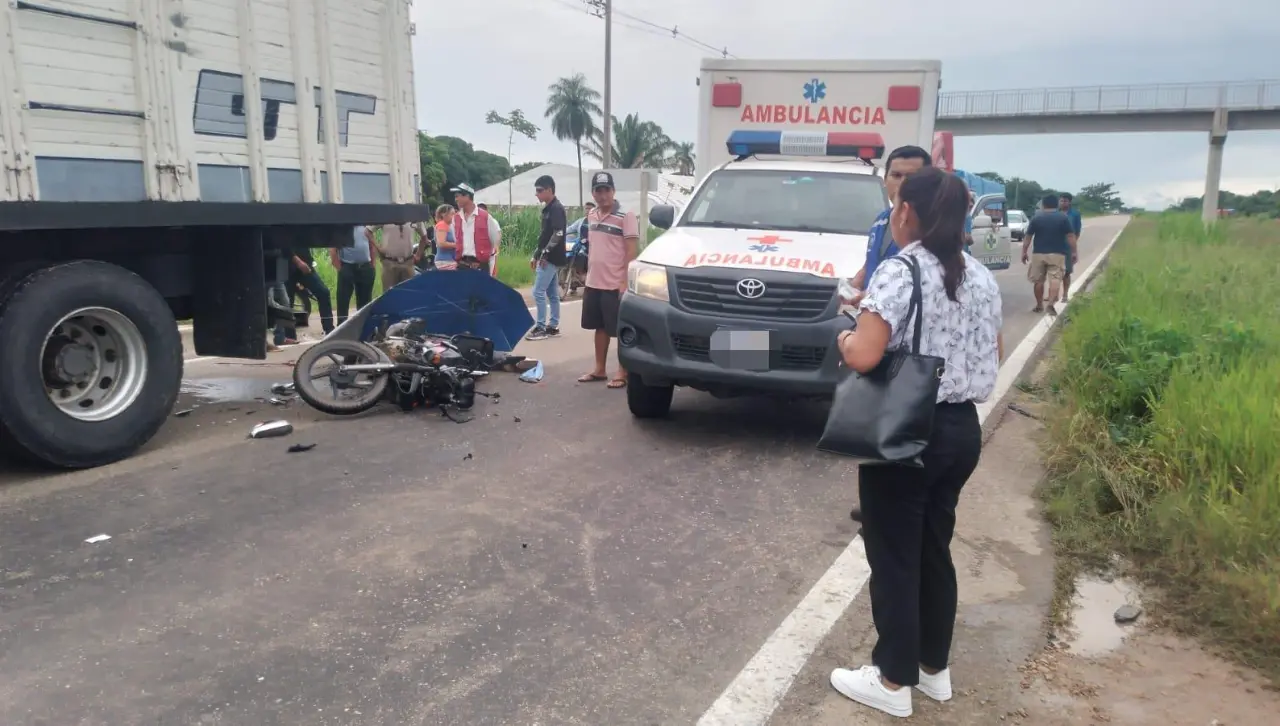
[(546, 287)]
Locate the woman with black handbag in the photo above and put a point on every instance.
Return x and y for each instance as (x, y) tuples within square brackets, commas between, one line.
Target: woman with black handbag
[(929, 323)]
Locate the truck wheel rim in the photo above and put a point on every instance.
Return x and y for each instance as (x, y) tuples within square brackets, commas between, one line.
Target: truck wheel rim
[(94, 364)]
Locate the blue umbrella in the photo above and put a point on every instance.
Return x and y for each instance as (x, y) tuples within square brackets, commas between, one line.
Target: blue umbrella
[(454, 302)]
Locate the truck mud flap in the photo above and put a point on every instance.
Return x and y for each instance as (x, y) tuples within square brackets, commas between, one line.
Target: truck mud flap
[(229, 301)]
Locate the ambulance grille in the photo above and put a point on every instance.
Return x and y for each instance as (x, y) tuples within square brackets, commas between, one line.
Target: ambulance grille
[(785, 358), (781, 300)]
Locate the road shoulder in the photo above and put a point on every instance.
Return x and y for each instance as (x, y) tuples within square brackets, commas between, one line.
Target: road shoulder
[(1005, 564)]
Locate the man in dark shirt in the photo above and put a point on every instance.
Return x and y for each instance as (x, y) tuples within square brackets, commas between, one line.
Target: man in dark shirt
[(547, 260), (1050, 240), (302, 273)]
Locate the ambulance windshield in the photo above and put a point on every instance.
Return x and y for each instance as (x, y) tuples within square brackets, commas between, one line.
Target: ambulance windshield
[(835, 203)]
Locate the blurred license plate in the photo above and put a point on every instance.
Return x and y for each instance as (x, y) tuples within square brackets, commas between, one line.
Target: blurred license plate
[(746, 350)]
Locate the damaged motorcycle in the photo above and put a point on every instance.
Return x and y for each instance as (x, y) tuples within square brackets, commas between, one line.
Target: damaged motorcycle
[(401, 364)]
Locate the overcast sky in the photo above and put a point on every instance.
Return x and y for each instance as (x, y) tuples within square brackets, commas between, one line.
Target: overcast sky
[(502, 54)]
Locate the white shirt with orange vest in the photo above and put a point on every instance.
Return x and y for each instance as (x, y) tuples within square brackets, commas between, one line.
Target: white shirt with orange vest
[(469, 234)]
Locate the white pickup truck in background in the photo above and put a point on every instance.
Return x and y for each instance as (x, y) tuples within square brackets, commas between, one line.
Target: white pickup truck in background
[(158, 160)]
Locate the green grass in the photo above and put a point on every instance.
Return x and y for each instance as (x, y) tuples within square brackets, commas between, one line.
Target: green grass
[(1166, 444)]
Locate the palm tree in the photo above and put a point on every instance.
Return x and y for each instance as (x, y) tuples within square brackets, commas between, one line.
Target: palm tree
[(682, 158), (636, 144), (572, 109)]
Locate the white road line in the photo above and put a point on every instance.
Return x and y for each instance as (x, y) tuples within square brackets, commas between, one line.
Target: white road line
[(204, 358), (753, 696)]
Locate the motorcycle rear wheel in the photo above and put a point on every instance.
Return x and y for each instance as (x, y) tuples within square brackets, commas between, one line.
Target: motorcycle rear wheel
[(310, 390)]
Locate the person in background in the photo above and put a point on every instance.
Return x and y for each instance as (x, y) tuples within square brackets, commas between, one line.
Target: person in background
[(446, 248), (493, 259), (475, 231), (901, 164), (397, 252), (548, 258), (1064, 205), (1050, 239), (968, 224), (909, 513), (425, 257), (354, 265), (302, 274), (615, 242), (283, 333)]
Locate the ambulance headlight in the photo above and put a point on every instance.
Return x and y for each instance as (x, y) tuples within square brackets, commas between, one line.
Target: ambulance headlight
[(648, 280)]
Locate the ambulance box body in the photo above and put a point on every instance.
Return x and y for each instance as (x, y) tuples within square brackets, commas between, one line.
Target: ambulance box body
[(897, 99)]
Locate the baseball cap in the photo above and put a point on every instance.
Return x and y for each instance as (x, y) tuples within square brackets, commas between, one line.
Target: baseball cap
[(602, 179), (464, 189)]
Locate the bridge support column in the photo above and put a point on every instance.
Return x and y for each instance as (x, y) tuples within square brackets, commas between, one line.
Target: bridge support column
[(1213, 176)]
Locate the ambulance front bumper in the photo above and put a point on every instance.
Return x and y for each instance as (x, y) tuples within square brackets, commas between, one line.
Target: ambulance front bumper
[(731, 353)]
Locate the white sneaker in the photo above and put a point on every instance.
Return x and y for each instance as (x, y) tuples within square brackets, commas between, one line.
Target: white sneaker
[(936, 686), (865, 687)]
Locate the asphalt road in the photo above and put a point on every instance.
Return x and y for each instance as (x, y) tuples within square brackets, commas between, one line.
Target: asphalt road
[(551, 562)]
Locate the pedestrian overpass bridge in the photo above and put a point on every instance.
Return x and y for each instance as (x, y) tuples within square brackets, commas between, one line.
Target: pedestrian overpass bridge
[(1215, 108)]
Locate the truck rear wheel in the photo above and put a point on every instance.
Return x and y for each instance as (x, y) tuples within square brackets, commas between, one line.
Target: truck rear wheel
[(91, 362), (648, 401)]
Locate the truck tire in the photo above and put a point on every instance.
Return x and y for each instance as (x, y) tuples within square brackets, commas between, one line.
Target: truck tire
[(91, 364), (351, 351), (648, 401)]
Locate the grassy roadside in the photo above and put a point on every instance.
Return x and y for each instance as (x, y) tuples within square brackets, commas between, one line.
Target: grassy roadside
[(1164, 436)]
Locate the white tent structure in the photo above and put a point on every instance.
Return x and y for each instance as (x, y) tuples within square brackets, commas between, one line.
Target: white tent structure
[(671, 189)]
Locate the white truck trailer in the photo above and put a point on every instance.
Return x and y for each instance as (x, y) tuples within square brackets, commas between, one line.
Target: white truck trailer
[(158, 158)]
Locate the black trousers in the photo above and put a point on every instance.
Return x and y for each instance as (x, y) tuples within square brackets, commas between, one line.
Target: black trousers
[(358, 278), (908, 518)]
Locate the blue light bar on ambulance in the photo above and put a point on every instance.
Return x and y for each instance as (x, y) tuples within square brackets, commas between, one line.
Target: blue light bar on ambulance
[(866, 146)]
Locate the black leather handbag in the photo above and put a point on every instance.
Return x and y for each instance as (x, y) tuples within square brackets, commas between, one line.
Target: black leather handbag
[(886, 415)]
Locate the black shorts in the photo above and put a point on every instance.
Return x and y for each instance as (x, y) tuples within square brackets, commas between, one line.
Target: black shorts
[(600, 310)]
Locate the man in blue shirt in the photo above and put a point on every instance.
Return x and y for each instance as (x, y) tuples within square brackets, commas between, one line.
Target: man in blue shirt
[(355, 271), (1064, 205), (1049, 242), (902, 163)]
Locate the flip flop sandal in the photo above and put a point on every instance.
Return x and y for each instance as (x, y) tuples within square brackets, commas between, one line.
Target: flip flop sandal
[(618, 383), (592, 378)]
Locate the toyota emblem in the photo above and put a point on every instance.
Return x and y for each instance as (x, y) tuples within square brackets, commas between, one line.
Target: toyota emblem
[(751, 288)]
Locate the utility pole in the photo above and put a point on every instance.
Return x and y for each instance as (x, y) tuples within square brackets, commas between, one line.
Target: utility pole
[(606, 144)]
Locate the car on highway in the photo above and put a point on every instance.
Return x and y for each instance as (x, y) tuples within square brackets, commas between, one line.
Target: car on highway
[(1018, 223), (740, 294)]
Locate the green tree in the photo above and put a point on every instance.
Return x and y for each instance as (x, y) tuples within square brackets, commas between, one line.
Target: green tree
[(992, 176), (516, 123), (636, 144), (573, 107), (431, 154), (1262, 203), (460, 162), (524, 166), (1098, 198), (681, 158)]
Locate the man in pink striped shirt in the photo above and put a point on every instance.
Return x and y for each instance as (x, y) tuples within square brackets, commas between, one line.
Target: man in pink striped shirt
[(615, 242)]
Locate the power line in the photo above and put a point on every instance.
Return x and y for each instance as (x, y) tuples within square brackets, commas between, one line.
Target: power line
[(595, 8)]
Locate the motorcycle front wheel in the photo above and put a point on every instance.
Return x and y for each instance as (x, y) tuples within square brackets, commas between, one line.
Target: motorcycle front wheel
[(336, 392)]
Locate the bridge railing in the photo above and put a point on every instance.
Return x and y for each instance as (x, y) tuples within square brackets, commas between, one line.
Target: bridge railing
[(1154, 98)]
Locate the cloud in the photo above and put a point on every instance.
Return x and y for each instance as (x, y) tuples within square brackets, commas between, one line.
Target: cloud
[(502, 54)]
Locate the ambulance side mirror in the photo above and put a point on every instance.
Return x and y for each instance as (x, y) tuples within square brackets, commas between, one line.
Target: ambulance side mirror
[(662, 216), (982, 221)]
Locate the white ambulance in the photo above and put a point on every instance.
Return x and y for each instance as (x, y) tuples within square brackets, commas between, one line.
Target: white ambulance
[(740, 294)]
